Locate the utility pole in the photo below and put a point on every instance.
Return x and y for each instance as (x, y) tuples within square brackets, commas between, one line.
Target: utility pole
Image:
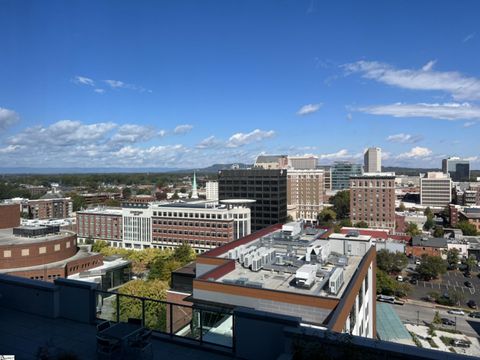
[(418, 316)]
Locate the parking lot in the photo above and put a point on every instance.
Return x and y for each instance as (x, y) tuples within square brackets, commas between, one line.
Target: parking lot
[(451, 281)]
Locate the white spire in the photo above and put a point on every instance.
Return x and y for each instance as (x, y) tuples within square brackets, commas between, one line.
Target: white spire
[(194, 187)]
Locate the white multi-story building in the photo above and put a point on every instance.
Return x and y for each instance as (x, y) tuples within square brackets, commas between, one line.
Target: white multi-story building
[(436, 189), (137, 227), (211, 190), (373, 160)]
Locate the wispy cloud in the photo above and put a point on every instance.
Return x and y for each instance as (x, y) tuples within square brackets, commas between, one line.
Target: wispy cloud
[(240, 139), (309, 109), (404, 138), (341, 154), (7, 118), (468, 37), (82, 80), (99, 91), (469, 124), (183, 129), (117, 84), (459, 86), (210, 142), (446, 111), (416, 152)]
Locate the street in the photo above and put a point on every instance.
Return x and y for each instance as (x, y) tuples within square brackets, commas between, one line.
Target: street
[(410, 313)]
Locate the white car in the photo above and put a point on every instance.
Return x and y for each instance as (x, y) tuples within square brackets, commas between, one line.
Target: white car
[(400, 278), (417, 262), (456, 312)]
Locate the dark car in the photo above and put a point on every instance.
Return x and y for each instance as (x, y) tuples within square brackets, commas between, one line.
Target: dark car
[(472, 304), (467, 274), (446, 321), (413, 281), (468, 284), (475, 314)]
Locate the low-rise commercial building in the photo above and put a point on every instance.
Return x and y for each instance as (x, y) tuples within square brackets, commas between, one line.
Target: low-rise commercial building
[(423, 245)]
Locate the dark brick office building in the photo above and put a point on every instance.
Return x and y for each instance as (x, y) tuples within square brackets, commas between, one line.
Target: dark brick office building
[(267, 187)]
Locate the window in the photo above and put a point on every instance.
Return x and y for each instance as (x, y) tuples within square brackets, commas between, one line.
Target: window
[(57, 247), (42, 250), (25, 252)]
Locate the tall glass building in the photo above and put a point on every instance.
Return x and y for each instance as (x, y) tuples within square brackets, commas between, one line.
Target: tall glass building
[(458, 169), (341, 172)]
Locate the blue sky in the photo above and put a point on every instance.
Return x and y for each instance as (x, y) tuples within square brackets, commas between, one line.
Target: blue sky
[(192, 83)]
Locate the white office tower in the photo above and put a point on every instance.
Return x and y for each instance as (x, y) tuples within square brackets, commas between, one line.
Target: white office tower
[(211, 190), (373, 160), (436, 189)]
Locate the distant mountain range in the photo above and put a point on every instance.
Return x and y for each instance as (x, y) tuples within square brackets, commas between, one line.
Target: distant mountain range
[(111, 170), (210, 169)]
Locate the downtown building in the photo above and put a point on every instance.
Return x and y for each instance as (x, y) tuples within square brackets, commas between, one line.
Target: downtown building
[(372, 200), (436, 189), (100, 223), (305, 193), (267, 187), (341, 173), (458, 169), (372, 160), (290, 270), (302, 162)]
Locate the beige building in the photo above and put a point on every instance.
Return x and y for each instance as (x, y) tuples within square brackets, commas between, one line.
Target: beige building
[(373, 160), (305, 193), (302, 162), (271, 162), (436, 189), (372, 199)]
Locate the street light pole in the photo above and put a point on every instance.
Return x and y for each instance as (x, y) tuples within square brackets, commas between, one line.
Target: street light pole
[(455, 323), (418, 316)]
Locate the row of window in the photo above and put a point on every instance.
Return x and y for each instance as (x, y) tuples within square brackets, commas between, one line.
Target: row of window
[(191, 233), (41, 250)]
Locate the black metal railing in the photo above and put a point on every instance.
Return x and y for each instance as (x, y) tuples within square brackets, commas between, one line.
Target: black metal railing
[(202, 325)]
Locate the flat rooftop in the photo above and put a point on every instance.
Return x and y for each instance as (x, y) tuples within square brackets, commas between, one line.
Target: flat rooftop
[(102, 210), (7, 237)]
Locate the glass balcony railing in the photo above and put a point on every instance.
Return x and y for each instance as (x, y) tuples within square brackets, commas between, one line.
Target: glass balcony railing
[(210, 326)]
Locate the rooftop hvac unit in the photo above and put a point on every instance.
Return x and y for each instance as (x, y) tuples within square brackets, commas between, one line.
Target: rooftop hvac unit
[(257, 263), (247, 260), (336, 281), (231, 254), (279, 260), (305, 276)]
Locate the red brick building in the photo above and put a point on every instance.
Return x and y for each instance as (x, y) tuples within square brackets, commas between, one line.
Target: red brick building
[(9, 215), (100, 224)]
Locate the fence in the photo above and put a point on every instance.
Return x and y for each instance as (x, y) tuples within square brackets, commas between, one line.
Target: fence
[(209, 326)]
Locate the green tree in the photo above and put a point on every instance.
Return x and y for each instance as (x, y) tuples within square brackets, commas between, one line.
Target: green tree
[(99, 245), (452, 258), (155, 312), (113, 203), (184, 254), (401, 207), (412, 229), (341, 204), (471, 262), (345, 223), (388, 286), (429, 224), (126, 193), (438, 232), (175, 195), (467, 228), (78, 202), (437, 319), (361, 224), (428, 212), (326, 217), (431, 267), (391, 262)]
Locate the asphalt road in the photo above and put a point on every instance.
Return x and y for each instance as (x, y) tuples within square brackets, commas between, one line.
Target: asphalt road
[(410, 313)]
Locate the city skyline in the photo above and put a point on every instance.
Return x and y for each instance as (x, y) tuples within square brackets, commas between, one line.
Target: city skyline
[(189, 85)]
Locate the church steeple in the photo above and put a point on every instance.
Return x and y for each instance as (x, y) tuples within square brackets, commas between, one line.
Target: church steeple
[(194, 187)]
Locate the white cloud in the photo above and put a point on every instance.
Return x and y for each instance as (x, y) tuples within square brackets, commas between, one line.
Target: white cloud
[(429, 65), (209, 143), (162, 133), (9, 149), (445, 111), (468, 37), (117, 84), (404, 138), (82, 80), (240, 139), (183, 129), (130, 133), (99, 91), (460, 87), (341, 154), (416, 152), (469, 124), (309, 109), (7, 118)]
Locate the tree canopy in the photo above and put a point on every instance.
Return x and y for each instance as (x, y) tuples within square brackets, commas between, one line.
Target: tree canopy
[(326, 217), (431, 267), (412, 229), (391, 262), (467, 228), (341, 204)]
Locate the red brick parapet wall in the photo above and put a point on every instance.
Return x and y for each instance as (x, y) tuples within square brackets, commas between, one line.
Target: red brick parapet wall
[(55, 250), (9, 216)]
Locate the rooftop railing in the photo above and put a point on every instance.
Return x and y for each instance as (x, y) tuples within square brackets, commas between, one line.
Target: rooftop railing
[(200, 325)]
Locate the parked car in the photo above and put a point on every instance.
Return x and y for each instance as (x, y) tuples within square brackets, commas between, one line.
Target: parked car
[(386, 298), (472, 304), (446, 321), (417, 262), (413, 281), (475, 314), (400, 278), (461, 343), (456, 312), (468, 284), (467, 274)]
